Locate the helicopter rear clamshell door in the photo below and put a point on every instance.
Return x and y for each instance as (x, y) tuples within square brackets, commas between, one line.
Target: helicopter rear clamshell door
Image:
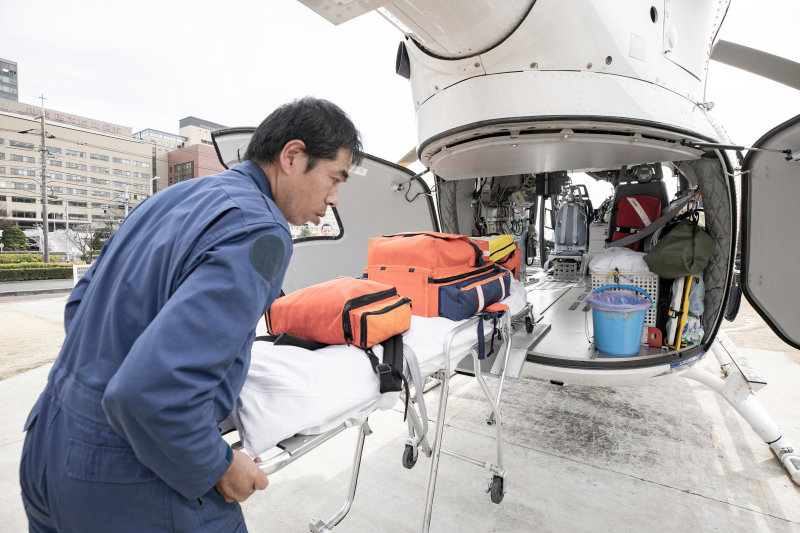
[(770, 221)]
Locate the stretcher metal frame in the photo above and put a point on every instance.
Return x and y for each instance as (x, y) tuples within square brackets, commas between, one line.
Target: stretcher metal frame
[(497, 483), (295, 447)]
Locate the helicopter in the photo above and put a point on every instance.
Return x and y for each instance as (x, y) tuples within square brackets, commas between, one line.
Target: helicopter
[(509, 106)]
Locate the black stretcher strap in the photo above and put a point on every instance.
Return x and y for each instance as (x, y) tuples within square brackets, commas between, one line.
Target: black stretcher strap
[(290, 340), (390, 371)]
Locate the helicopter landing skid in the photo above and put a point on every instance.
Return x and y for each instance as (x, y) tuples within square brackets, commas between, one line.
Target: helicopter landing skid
[(739, 391)]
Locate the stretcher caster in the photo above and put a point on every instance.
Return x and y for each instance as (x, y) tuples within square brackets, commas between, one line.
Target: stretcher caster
[(528, 324), (409, 456), (496, 489)]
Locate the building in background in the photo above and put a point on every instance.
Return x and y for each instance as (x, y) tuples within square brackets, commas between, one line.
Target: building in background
[(8, 80), (95, 170), (162, 144), (192, 162), (196, 157), (197, 131)]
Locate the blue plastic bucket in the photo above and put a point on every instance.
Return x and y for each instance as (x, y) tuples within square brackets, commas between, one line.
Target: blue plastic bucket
[(618, 319)]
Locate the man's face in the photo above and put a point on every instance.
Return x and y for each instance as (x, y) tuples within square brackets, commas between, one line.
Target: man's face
[(305, 196)]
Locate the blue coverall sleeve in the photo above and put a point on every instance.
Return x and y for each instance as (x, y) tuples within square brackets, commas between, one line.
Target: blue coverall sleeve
[(161, 400), (78, 292)]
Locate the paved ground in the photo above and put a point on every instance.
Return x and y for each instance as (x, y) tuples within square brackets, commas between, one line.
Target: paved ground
[(35, 287), (32, 317), (33, 331), (668, 456)]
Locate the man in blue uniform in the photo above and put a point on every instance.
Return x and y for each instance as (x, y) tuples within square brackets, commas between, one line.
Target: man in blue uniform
[(158, 336)]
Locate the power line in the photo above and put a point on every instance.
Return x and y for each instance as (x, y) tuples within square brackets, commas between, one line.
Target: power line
[(79, 198), (63, 156), (82, 160), (100, 147), (96, 186)]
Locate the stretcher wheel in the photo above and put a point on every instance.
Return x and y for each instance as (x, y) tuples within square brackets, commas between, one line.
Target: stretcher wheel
[(496, 491), (528, 324), (409, 456)]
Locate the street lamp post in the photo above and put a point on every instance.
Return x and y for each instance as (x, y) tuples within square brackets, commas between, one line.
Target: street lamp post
[(45, 250), (66, 229), (44, 152)]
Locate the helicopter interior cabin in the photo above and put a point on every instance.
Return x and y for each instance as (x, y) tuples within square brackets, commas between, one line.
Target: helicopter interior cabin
[(568, 250)]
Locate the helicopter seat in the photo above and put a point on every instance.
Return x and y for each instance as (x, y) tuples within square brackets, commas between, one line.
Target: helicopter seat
[(571, 240), (636, 205)]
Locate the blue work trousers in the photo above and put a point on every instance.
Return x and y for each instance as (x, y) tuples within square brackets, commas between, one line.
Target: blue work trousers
[(79, 476)]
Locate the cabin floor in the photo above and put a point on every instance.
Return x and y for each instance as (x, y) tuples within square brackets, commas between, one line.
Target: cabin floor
[(669, 455), (560, 306)]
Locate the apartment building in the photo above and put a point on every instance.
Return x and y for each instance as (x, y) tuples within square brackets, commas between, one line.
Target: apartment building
[(94, 169)]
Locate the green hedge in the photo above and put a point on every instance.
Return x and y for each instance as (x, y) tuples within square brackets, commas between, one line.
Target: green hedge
[(38, 265), (49, 272), (23, 258), (13, 266)]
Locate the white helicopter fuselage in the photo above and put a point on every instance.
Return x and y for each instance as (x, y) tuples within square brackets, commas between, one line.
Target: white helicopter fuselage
[(512, 97), (620, 84), (504, 90)]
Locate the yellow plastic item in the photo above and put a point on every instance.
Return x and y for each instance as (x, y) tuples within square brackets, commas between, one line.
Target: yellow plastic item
[(499, 245), (682, 315)]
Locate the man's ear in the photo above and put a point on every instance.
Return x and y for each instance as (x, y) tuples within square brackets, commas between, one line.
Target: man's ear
[(289, 156)]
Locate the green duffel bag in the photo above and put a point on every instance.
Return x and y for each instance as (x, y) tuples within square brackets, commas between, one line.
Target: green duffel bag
[(682, 252)]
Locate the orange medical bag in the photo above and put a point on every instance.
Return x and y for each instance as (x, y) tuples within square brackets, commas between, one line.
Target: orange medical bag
[(341, 311), (444, 274)]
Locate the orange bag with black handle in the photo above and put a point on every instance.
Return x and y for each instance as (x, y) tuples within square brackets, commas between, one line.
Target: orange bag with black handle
[(444, 274), (341, 311)]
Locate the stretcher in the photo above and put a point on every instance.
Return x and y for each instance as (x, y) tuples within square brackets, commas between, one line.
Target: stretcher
[(294, 399)]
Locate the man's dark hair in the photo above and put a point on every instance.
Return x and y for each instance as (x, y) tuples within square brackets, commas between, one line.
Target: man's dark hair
[(320, 124)]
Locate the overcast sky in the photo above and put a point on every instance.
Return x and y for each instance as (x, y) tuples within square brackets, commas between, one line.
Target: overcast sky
[(147, 64)]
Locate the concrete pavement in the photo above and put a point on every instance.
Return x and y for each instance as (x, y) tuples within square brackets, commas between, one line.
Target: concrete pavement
[(667, 456), (35, 287)]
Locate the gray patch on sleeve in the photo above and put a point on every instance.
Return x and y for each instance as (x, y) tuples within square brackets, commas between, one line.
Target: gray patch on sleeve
[(266, 256)]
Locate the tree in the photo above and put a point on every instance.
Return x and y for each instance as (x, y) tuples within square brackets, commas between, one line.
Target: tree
[(82, 236), (90, 239), (5, 222), (100, 236), (14, 239)]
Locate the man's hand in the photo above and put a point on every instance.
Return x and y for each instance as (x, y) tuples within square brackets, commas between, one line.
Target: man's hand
[(242, 478)]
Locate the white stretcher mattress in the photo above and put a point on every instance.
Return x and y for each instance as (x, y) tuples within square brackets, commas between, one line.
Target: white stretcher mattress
[(291, 390)]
